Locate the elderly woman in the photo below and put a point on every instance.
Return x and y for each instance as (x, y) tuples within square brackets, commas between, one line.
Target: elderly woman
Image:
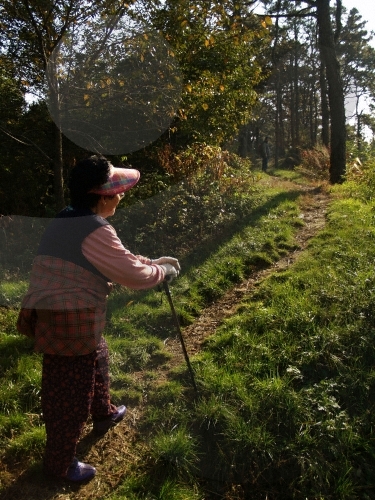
[(64, 309)]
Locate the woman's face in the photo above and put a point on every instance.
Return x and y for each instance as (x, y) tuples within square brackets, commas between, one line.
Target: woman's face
[(107, 205)]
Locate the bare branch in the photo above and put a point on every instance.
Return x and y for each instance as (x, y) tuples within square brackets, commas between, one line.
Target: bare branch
[(30, 143)]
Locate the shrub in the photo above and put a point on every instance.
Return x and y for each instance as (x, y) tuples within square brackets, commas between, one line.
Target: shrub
[(361, 180), (210, 189), (315, 163), (196, 158)]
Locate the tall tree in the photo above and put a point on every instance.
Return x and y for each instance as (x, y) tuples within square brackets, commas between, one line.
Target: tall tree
[(30, 30), (324, 104), (278, 107), (357, 59), (218, 46), (327, 46), (330, 70)]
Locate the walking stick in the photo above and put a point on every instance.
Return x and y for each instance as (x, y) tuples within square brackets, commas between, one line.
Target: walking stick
[(175, 318)]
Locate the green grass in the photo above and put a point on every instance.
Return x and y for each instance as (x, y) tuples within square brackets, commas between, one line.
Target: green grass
[(11, 290), (286, 385), (29, 444), (133, 486), (173, 452)]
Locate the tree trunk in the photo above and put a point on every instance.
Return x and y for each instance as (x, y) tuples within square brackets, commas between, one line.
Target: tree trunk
[(277, 88), (358, 134), (313, 115), (296, 86), (335, 92), (277, 119), (58, 178), (54, 105), (324, 105)]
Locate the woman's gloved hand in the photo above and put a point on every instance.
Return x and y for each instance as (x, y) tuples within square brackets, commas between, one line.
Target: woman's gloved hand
[(170, 271), (168, 260)]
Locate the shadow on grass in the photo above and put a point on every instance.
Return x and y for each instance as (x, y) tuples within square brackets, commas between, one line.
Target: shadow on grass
[(34, 485), (161, 323), (201, 251), (12, 348)]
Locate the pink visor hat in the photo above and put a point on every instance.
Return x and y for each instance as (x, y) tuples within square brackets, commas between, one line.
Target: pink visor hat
[(119, 181)]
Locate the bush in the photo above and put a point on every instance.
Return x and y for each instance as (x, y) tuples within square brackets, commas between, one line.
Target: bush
[(209, 190), (315, 163), (361, 180), (197, 158)]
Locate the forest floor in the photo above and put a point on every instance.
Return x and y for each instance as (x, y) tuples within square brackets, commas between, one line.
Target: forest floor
[(114, 453)]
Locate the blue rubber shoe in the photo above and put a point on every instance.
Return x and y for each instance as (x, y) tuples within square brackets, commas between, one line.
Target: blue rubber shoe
[(79, 472), (102, 426)]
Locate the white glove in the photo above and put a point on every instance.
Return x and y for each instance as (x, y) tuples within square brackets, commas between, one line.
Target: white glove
[(168, 260), (170, 272)]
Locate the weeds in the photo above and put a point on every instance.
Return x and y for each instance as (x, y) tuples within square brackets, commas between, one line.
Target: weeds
[(315, 163)]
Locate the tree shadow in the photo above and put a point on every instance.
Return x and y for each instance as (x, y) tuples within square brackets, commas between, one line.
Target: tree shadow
[(201, 251)]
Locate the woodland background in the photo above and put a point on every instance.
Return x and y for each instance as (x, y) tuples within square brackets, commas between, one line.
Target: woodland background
[(286, 75)]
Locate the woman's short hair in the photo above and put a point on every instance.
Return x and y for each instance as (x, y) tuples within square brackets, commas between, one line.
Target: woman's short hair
[(87, 174)]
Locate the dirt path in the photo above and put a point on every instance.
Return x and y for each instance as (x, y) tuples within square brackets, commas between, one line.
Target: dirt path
[(313, 212)]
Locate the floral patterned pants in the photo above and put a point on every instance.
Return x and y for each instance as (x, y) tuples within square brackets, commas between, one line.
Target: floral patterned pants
[(72, 388)]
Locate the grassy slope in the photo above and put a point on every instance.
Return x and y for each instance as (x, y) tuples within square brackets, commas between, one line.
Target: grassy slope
[(286, 385), (297, 389)]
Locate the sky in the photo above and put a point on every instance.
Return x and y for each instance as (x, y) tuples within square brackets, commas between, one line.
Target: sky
[(367, 10)]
